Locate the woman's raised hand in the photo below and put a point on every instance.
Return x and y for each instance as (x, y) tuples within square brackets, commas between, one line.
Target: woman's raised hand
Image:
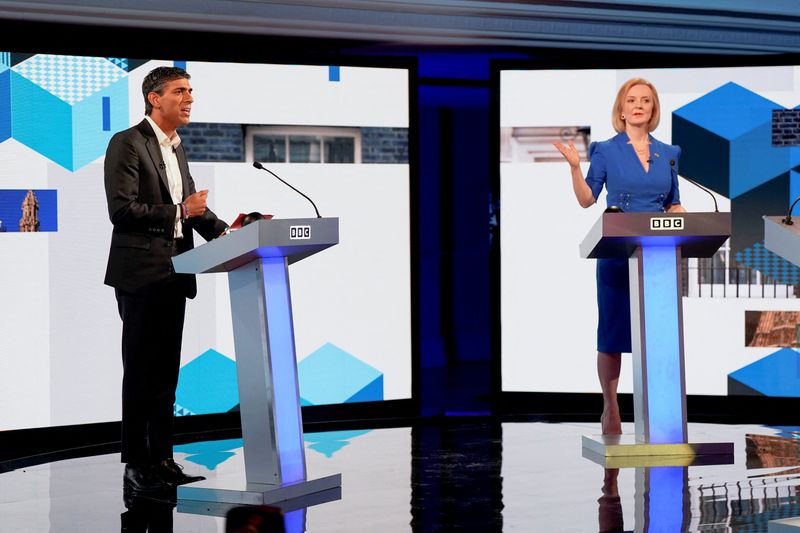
[(570, 153)]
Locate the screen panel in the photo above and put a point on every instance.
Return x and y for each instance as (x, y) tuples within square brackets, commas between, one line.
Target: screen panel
[(338, 133), (733, 125)]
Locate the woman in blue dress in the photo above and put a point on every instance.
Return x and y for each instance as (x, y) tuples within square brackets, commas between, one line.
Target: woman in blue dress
[(640, 174)]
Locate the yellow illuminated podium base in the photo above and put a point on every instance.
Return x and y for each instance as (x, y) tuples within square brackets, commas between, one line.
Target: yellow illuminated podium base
[(622, 451)]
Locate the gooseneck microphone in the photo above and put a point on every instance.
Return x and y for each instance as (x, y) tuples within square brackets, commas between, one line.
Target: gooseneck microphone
[(259, 166), (788, 219), (711, 194)]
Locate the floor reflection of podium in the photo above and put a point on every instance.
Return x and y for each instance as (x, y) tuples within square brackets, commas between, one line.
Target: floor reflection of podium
[(654, 244), (294, 510), (783, 239), (256, 258), (662, 497)]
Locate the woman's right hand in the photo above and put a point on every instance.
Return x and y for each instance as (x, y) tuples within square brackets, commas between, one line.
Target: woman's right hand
[(570, 153)]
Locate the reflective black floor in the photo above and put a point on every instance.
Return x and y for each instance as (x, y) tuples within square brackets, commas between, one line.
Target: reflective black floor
[(452, 475)]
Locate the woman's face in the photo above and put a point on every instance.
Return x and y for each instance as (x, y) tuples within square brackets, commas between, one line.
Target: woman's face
[(637, 107)]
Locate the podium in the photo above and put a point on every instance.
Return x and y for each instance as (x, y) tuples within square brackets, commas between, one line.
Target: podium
[(783, 239), (654, 244), (256, 258)]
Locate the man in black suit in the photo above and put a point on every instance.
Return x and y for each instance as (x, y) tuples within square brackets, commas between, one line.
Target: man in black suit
[(154, 207)]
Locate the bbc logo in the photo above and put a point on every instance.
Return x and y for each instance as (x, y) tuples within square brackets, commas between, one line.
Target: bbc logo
[(666, 223), (299, 232)]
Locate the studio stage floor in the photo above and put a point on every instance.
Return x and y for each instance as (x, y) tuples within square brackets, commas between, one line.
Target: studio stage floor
[(451, 475)]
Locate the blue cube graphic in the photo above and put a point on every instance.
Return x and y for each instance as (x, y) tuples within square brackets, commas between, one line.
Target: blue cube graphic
[(329, 442), (5, 101), (207, 385), (777, 374), (726, 137), (68, 107), (210, 454), (330, 375)]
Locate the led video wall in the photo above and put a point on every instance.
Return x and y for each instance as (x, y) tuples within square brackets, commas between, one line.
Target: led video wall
[(338, 133), (740, 136)]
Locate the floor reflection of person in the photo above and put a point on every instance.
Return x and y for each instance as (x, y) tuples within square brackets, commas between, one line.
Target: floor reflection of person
[(640, 174), (609, 512), (147, 515)]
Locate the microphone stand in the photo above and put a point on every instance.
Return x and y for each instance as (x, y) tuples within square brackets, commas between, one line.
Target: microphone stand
[(788, 220), (716, 207), (259, 166)]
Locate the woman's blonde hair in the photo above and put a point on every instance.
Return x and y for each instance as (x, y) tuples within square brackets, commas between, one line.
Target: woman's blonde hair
[(616, 111)]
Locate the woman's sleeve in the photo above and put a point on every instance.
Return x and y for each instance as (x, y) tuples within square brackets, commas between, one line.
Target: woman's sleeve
[(674, 196), (596, 176)]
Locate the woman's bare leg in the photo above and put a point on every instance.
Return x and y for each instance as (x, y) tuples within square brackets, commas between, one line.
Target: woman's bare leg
[(608, 365)]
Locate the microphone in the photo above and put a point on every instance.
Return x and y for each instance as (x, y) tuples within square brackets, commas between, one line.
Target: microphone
[(259, 166), (162, 165), (716, 208), (788, 219)]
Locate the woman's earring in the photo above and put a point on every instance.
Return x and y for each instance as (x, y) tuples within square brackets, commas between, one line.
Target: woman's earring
[(623, 117)]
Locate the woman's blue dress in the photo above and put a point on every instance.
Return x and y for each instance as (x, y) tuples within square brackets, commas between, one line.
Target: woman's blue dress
[(615, 165)]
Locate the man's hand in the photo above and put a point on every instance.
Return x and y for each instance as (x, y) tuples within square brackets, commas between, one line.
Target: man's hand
[(196, 204)]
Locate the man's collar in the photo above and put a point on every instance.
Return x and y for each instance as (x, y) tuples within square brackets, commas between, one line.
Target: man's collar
[(162, 138)]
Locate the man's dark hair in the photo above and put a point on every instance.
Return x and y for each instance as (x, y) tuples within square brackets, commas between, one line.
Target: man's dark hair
[(155, 81)]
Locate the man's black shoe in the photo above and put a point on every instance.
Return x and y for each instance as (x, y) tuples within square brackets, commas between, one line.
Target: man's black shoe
[(172, 473), (143, 479)]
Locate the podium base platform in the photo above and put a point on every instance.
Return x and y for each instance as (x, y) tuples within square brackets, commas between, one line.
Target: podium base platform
[(255, 493), (625, 449), (785, 525), (208, 508)]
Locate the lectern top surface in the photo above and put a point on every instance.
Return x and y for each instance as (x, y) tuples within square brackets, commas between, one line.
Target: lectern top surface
[(778, 221), (293, 238), (617, 235), (783, 239)]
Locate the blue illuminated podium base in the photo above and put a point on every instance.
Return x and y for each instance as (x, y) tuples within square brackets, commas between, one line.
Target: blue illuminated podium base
[(256, 493)]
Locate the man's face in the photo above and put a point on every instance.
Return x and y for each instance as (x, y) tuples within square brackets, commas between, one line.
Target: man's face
[(173, 107)]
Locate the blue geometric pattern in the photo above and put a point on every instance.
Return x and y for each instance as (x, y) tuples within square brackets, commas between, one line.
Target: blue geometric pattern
[(67, 108), (70, 78), (5, 100), (790, 432), (330, 376), (121, 62), (769, 264), (726, 136), (777, 374), (5, 60), (207, 384), (329, 442), (210, 454)]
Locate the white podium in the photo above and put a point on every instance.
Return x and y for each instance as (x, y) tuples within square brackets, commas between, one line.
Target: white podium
[(654, 244), (256, 258)]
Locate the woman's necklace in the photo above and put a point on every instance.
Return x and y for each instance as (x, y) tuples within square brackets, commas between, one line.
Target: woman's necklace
[(644, 152)]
